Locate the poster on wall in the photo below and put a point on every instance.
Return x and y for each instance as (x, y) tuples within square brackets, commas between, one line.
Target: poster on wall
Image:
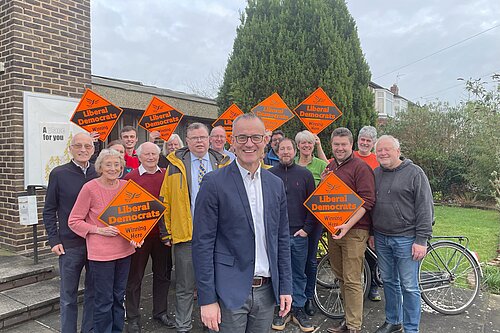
[(54, 146), (47, 134)]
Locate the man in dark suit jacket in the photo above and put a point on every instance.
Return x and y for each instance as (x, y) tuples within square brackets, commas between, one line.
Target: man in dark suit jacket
[(241, 252)]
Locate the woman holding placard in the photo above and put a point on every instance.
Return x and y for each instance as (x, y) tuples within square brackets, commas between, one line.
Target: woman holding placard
[(108, 253)]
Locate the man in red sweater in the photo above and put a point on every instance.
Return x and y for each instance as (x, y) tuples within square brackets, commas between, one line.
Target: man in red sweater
[(149, 176), (128, 135), (367, 137), (347, 248)]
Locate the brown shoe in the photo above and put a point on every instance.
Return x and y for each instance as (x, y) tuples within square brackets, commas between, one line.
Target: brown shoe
[(340, 328)]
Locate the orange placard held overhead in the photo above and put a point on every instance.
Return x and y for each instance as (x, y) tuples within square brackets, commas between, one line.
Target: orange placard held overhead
[(161, 117), (96, 114), (134, 211), (226, 120), (333, 202), (317, 111), (273, 111)]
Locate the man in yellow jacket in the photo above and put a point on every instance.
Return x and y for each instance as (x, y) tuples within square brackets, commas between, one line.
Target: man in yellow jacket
[(185, 169)]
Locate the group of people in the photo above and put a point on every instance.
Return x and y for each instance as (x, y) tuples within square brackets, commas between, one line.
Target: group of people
[(235, 229)]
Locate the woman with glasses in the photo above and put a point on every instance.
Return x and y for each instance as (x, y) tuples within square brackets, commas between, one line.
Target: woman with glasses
[(173, 143)]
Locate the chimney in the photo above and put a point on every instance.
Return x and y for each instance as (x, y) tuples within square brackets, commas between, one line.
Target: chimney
[(395, 89)]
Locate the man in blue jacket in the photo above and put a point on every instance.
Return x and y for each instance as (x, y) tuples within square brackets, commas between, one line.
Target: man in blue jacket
[(241, 251), (271, 157), (65, 183)]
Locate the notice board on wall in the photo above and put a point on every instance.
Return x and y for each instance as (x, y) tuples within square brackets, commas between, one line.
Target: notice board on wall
[(47, 134)]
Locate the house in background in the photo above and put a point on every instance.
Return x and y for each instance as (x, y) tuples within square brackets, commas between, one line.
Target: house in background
[(388, 102)]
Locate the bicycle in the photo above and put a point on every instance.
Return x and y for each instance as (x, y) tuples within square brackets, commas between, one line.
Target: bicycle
[(449, 278)]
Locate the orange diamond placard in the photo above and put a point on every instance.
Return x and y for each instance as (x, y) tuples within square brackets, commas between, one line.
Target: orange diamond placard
[(161, 117), (333, 202), (96, 114), (226, 120), (317, 111), (273, 111), (134, 211)]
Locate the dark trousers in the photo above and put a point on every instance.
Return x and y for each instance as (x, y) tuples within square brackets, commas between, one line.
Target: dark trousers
[(161, 256), (70, 267), (312, 262), (298, 251), (255, 316), (110, 281)]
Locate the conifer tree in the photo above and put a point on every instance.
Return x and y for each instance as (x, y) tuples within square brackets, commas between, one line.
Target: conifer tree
[(293, 47)]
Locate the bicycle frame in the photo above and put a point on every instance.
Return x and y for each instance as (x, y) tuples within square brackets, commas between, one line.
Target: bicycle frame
[(446, 271), (463, 241)]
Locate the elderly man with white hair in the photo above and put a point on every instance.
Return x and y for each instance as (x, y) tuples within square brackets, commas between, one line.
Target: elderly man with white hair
[(367, 137), (402, 223), (150, 177)]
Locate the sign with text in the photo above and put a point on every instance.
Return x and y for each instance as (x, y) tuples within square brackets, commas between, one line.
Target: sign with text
[(273, 111), (226, 120), (134, 211), (96, 114), (317, 111), (333, 202), (161, 117)]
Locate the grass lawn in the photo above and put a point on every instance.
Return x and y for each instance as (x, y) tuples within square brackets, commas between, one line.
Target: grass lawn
[(483, 229), (481, 226)]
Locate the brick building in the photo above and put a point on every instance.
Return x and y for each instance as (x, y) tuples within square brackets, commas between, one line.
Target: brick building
[(45, 50)]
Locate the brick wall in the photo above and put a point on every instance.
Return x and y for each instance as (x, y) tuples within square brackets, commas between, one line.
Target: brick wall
[(45, 45)]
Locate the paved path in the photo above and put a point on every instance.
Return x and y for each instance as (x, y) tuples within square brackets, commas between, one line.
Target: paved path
[(483, 316)]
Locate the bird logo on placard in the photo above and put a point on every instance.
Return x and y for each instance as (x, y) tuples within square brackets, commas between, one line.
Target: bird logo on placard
[(91, 102), (129, 196), (157, 108), (273, 102), (318, 99), (331, 187)]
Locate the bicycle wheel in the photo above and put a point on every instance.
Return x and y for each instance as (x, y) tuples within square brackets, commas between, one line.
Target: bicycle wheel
[(449, 277), (327, 294)]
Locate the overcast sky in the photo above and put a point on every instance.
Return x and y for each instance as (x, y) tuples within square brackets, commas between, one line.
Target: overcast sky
[(184, 45)]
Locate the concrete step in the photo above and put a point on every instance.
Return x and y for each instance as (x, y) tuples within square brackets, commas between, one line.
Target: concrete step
[(17, 271), (29, 301)]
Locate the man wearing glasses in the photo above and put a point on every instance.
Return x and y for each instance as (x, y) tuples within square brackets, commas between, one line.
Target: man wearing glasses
[(241, 251), (271, 157), (218, 140), (185, 170), (65, 183)]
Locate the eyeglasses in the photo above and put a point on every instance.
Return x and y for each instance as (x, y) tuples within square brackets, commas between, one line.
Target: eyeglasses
[(198, 138), (218, 137), (242, 139), (80, 146)]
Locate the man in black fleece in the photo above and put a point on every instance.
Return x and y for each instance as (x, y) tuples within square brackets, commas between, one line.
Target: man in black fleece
[(299, 184), (402, 223), (65, 183)]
